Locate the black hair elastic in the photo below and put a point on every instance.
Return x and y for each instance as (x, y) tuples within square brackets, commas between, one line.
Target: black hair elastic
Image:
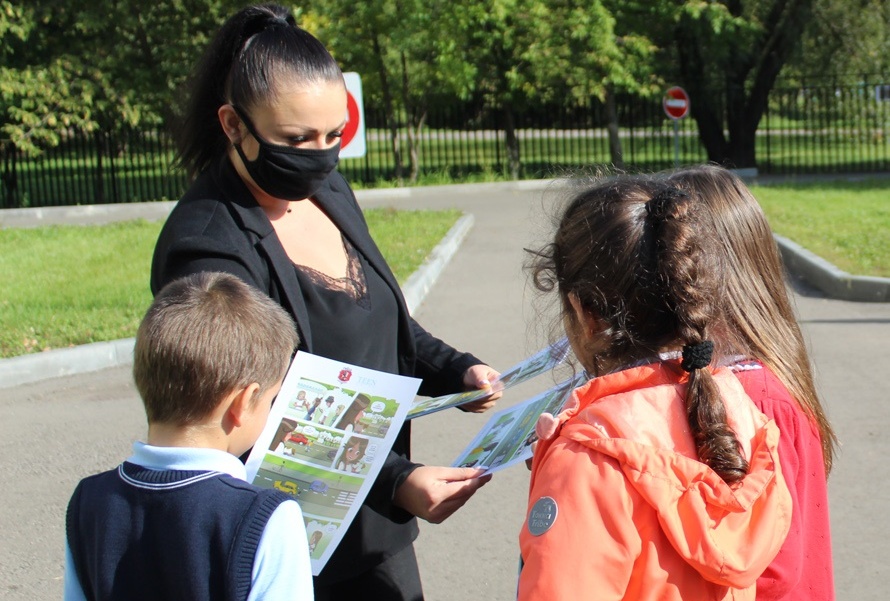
[(697, 356)]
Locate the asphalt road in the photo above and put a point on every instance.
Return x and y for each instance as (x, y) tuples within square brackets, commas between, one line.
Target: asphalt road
[(55, 432)]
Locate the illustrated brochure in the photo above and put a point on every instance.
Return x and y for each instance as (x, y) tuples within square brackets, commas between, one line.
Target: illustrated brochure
[(328, 436), (539, 363), (508, 435)]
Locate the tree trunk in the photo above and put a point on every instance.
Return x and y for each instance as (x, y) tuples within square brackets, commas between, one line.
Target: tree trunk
[(9, 177), (512, 142), (414, 144), (389, 111), (615, 151), (728, 109), (414, 124)]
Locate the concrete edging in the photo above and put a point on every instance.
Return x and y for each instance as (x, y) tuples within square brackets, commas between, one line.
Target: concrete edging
[(421, 281), (100, 355), (154, 211), (65, 362), (829, 279)]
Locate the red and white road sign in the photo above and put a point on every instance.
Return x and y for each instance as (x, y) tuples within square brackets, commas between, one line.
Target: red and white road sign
[(675, 103), (352, 144)]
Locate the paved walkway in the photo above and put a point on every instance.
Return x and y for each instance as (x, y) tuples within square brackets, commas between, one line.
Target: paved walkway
[(56, 431)]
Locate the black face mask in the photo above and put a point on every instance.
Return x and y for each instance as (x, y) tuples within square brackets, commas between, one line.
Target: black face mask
[(287, 172)]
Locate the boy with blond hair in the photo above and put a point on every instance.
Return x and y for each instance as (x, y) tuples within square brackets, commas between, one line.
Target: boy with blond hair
[(177, 520)]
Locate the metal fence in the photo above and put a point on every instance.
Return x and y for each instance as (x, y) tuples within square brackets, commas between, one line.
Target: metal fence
[(817, 129)]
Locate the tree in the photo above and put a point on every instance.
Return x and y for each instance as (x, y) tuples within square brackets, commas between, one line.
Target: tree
[(605, 56), (847, 41), (86, 64), (38, 99), (729, 55), (538, 51), (403, 52), (92, 67)]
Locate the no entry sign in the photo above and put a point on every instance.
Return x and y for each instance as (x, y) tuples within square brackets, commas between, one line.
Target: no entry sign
[(676, 103), (352, 144)]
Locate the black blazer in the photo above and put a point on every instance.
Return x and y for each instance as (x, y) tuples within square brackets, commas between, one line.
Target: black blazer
[(218, 226)]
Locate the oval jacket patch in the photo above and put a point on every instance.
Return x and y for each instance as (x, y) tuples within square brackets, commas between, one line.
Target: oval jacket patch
[(542, 516)]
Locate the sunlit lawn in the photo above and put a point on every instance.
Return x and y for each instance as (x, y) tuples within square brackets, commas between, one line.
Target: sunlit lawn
[(70, 285), (846, 223)]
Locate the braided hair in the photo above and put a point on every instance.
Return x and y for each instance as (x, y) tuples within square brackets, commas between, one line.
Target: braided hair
[(630, 250)]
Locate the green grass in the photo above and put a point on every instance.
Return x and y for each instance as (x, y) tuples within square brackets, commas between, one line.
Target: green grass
[(70, 285), (845, 223), (407, 237)]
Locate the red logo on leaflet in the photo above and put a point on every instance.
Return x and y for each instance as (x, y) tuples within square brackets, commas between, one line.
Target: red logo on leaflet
[(345, 374)]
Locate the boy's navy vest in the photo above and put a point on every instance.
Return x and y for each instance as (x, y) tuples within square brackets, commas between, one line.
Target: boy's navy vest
[(137, 533)]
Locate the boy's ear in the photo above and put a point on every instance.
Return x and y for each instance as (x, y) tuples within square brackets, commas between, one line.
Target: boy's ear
[(242, 403)]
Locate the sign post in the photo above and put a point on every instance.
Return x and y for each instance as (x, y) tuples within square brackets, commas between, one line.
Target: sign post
[(676, 106), (352, 144)]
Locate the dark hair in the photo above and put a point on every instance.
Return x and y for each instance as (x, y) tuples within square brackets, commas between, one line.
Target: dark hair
[(250, 56), (631, 250), (205, 336)]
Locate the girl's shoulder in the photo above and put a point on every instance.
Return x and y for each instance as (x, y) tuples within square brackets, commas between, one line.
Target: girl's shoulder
[(767, 392)]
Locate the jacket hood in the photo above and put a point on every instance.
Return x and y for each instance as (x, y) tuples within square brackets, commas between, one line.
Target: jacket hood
[(729, 534)]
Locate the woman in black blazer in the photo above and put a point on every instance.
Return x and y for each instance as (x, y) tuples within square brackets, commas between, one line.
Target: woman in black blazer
[(261, 138)]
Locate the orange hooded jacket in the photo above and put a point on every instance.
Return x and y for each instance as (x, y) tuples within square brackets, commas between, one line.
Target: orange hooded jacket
[(621, 508)]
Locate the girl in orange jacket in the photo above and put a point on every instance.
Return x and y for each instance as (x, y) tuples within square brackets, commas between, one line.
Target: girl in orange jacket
[(662, 479)]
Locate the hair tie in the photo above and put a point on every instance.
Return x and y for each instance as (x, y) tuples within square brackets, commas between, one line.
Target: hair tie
[(656, 207), (697, 356), (260, 23)]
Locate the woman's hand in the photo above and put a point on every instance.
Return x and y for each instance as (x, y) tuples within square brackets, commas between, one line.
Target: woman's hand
[(434, 493), (480, 377)]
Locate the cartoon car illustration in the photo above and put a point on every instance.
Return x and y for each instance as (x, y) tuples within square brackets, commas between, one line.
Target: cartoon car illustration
[(296, 438), (288, 487), (319, 486)]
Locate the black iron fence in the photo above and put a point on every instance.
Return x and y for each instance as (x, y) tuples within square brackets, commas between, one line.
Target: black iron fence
[(104, 167), (818, 129)]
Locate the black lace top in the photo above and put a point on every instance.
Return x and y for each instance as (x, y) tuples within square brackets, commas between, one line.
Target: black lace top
[(340, 307)]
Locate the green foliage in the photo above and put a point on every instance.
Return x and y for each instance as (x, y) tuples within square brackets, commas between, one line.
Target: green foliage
[(848, 41), (86, 64), (81, 65), (729, 54)]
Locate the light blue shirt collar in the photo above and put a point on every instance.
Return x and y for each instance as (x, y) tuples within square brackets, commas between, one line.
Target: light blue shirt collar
[(187, 458)]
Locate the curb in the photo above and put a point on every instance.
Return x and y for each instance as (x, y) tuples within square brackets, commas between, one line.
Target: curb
[(35, 367), (836, 284), (85, 214), (421, 281)]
